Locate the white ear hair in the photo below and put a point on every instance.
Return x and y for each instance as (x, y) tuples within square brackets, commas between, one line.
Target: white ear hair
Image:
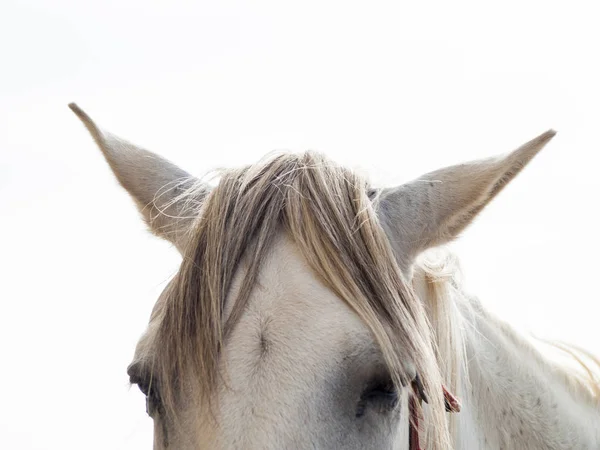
[(436, 207), (154, 183)]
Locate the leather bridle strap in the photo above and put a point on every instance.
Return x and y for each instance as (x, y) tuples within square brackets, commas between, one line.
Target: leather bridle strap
[(451, 402), (413, 433)]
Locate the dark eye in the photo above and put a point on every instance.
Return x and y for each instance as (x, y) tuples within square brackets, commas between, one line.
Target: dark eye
[(372, 193), (140, 383), (147, 385), (379, 396)]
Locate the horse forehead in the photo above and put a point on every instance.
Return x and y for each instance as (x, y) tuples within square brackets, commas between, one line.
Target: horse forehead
[(291, 305), (294, 351)]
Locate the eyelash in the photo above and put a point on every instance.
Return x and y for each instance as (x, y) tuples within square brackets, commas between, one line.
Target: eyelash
[(153, 403)]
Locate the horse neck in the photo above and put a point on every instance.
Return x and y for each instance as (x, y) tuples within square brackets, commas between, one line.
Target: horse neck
[(512, 396)]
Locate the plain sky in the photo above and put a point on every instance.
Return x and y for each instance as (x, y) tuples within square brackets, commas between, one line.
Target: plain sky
[(394, 89)]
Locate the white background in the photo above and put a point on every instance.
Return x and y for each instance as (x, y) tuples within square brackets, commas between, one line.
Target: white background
[(395, 89)]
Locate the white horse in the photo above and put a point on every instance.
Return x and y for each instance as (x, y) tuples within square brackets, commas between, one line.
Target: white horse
[(306, 316)]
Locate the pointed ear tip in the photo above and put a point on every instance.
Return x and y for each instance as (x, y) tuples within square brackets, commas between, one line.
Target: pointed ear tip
[(545, 137), (79, 112), (541, 140), (94, 130)]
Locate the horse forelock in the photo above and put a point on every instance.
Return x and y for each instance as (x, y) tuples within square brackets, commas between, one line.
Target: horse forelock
[(326, 211)]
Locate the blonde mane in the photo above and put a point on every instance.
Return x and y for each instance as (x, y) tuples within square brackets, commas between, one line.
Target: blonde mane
[(439, 273), (327, 212), (450, 308)]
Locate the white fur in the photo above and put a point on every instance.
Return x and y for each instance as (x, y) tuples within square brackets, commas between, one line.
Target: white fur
[(512, 396)]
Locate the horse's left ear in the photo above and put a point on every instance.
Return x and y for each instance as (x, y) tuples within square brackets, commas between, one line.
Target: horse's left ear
[(155, 184), (435, 208)]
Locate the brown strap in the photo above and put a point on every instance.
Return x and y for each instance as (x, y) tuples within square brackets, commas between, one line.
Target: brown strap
[(450, 400), (452, 403), (413, 442)]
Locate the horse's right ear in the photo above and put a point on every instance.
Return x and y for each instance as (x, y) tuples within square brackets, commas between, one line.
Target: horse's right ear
[(155, 184), (435, 208)]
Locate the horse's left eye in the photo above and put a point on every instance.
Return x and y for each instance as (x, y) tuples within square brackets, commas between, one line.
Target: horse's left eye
[(147, 385), (152, 396), (139, 378), (381, 397), (142, 385), (372, 193), (152, 402)]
